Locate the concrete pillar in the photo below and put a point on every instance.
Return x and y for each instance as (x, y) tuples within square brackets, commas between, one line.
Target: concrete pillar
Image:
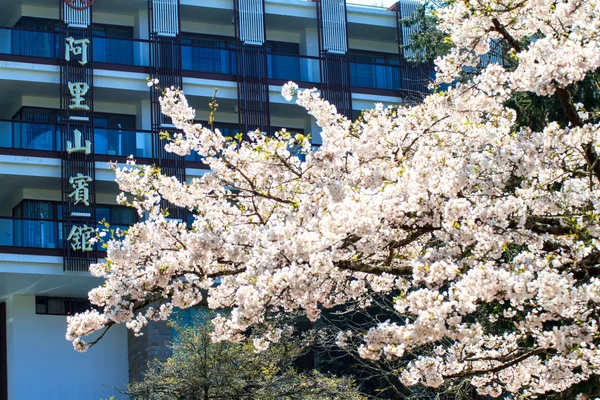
[(152, 345)]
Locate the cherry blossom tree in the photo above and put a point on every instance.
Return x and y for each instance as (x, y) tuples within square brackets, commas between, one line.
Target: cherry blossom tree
[(484, 231)]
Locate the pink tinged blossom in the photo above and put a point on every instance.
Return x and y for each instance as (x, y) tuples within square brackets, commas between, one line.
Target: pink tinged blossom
[(445, 205)]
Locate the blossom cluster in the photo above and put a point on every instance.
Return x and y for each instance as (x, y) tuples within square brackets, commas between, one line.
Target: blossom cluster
[(485, 233)]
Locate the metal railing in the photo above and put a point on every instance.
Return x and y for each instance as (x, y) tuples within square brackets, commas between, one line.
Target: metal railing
[(29, 232), (38, 233), (121, 51), (42, 136), (215, 60), (123, 142), (293, 67)]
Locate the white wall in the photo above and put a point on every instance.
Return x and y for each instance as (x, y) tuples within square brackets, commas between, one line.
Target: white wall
[(43, 365)]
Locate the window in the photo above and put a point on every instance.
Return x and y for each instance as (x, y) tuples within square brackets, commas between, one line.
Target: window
[(37, 131), (117, 215), (36, 209), (374, 70), (60, 305), (113, 44), (208, 53), (117, 31), (114, 134), (37, 37), (283, 47), (283, 59), (52, 210)]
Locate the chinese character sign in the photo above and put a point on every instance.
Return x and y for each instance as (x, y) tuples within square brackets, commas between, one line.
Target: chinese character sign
[(80, 236), (77, 145), (77, 47), (78, 90), (81, 191)]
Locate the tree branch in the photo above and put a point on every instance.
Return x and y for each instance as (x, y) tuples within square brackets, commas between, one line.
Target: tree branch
[(495, 369)]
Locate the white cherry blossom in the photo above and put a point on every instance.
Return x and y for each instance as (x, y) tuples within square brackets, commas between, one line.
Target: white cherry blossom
[(484, 232)]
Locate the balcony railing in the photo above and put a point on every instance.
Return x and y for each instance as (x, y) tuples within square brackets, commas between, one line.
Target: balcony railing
[(416, 78), (30, 136), (293, 67), (29, 42), (390, 77), (35, 233), (375, 76), (123, 142), (38, 233), (46, 137), (214, 60), (45, 44), (121, 51)]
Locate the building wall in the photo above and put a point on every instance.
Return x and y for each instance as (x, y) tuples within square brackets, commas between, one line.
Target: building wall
[(42, 364), (152, 345)]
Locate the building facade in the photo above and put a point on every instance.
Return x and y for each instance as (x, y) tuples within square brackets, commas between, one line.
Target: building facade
[(74, 97)]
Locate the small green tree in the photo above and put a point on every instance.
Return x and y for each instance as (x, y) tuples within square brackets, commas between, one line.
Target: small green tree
[(201, 369), (427, 42)]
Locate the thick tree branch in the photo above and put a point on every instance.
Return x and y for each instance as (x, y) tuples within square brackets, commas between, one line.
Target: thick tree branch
[(357, 266), (516, 360), (514, 43)]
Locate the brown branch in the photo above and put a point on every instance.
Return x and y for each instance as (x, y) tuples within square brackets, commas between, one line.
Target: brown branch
[(499, 368), (564, 97), (414, 235), (544, 224), (514, 43), (567, 104), (357, 266)]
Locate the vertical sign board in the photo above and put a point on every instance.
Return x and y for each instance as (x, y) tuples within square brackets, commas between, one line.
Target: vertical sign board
[(333, 54), (251, 65), (165, 65), (77, 133)]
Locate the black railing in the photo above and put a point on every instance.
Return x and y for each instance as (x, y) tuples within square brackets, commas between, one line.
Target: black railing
[(42, 136), (121, 51), (33, 233), (294, 67), (216, 60), (40, 233)]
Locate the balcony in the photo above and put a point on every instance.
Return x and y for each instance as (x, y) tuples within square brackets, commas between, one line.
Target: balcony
[(120, 51), (31, 233), (293, 67), (30, 136), (387, 76), (212, 60), (46, 44), (46, 137), (37, 233), (406, 77), (122, 142), (29, 43)]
